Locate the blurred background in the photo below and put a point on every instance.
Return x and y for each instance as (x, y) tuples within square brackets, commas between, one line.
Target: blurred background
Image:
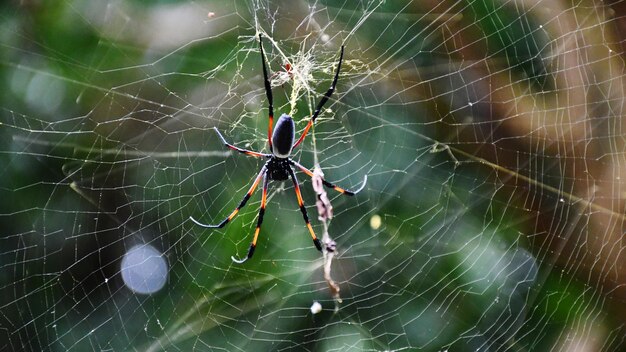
[(491, 133)]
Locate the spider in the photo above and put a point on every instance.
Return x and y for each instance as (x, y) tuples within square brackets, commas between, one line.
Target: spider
[(279, 166)]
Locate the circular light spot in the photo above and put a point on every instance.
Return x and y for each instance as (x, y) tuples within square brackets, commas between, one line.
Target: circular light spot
[(316, 307), (375, 222), (45, 93), (144, 269)]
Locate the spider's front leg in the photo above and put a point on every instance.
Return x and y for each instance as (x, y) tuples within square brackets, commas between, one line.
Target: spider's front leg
[(258, 224), (241, 204), (296, 185)]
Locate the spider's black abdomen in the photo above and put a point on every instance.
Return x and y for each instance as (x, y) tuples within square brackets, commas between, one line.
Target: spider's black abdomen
[(277, 169), (283, 136)]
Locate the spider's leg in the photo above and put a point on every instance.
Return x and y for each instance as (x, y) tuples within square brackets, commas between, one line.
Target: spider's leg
[(322, 102), (258, 224), (243, 202), (316, 241), (244, 151), (268, 92), (330, 185)]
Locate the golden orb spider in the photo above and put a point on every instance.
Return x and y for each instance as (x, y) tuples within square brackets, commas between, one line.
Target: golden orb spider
[(279, 166)]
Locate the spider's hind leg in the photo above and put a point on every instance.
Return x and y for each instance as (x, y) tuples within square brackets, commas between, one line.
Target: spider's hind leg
[(325, 98), (268, 93), (330, 185), (241, 150)]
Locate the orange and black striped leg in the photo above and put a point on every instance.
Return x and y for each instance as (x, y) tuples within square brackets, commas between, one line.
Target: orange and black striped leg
[(325, 98), (243, 202), (330, 185), (244, 151), (268, 93), (258, 224), (296, 185)]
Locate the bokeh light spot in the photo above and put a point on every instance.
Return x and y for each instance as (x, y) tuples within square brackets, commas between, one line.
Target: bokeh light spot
[(144, 269)]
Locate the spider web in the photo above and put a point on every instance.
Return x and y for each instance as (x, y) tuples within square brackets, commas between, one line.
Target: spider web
[(490, 132)]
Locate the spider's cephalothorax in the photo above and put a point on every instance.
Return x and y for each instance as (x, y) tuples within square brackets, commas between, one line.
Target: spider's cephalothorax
[(279, 167)]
